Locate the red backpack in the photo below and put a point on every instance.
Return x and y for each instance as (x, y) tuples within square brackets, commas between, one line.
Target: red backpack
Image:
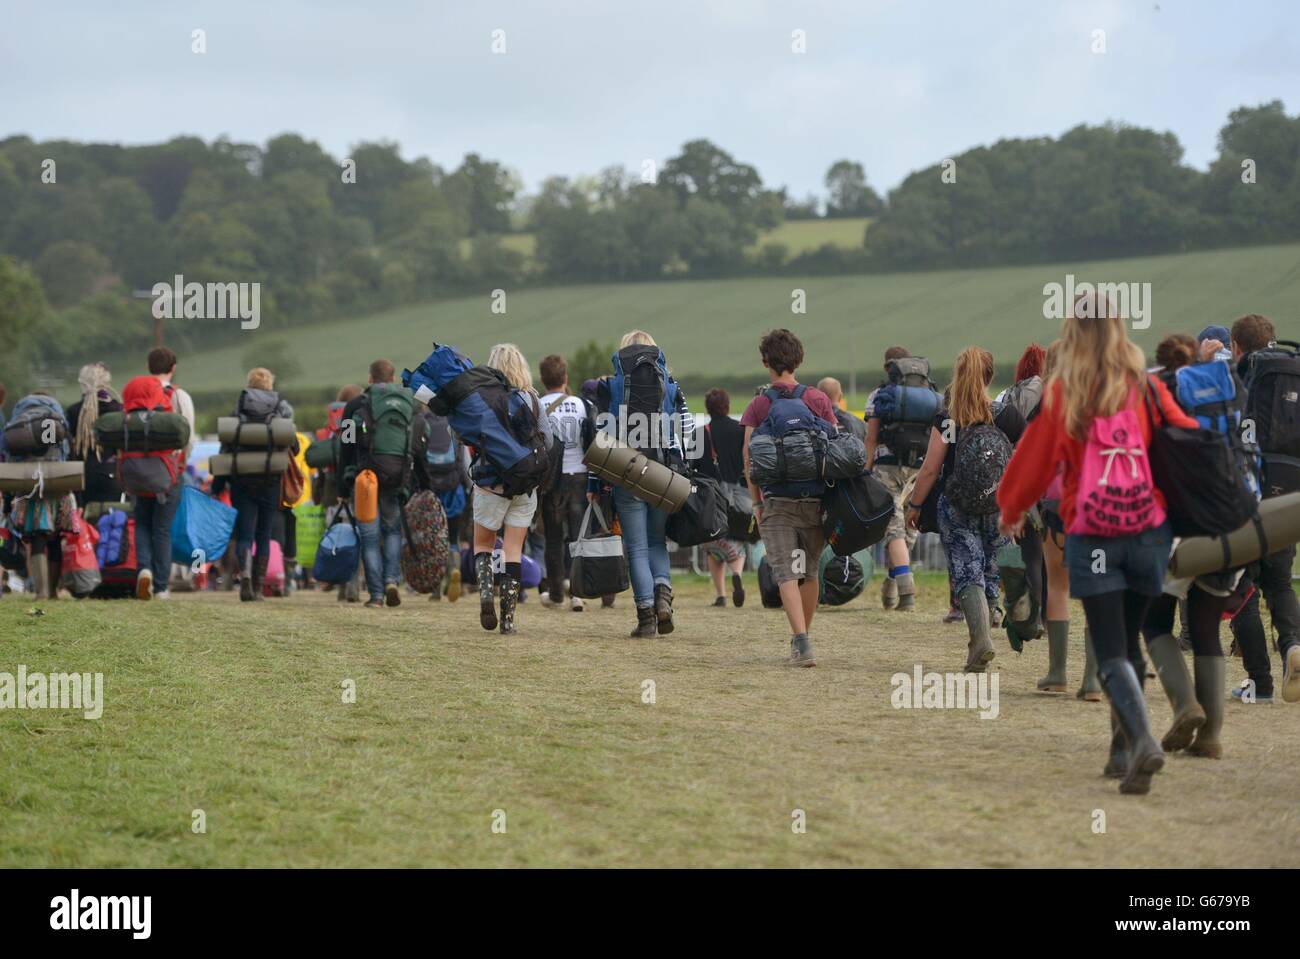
[(148, 474)]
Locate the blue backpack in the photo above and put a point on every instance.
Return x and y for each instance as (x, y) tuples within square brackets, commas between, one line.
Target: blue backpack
[(798, 436), (641, 383), (484, 411), (1212, 394), (339, 552)]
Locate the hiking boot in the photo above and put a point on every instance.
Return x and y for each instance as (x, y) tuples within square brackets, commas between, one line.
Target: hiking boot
[(144, 585), (664, 608), (647, 623), (1089, 687), (737, 590), (260, 564), (509, 597), (1058, 645), (1291, 674), (392, 596), (801, 651), (1117, 764), (1145, 758), (906, 593), (1242, 695), (1209, 672), (955, 615), (719, 602), (487, 613), (453, 585), (1171, 668), (980, 647), (889, 593)]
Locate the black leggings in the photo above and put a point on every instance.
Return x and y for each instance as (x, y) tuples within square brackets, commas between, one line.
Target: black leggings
[(1115, 626), (1204, 611)]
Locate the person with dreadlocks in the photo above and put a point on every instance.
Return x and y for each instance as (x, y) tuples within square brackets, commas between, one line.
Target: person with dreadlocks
[(97, 398)]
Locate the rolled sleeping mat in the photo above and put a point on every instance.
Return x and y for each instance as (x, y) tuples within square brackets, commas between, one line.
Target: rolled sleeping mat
[(1276, 527), (253, 435), (142, 431), (44, 478), (646, 479), (249, 463)]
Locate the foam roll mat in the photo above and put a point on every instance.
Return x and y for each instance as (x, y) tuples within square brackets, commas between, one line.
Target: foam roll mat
[(249, 463), (1279, 519), (644, 478), (52, 477), (253, 435)]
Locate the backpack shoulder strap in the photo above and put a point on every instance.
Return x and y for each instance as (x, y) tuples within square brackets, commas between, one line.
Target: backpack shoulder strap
[(554, 404)]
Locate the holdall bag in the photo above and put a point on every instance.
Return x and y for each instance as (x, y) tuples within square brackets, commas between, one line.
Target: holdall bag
[(646, 479), (339, 552), (43, 478), (142, 431), (323, 454), (841, 579), (1205, 490), (1274, 527), (279, 433), (741, 524), (703, 517), (425, 549), (769, 591), (202, 528), (856, 513), (599, 567)]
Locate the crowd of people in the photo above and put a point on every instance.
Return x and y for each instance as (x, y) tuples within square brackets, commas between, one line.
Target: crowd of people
[(996, 477)]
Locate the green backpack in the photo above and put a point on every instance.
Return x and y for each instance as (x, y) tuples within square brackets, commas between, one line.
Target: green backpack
[(390, 411)]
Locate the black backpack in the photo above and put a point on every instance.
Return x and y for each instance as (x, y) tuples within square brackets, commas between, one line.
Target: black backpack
[(980, 457), (909, 440), (1273, 409)]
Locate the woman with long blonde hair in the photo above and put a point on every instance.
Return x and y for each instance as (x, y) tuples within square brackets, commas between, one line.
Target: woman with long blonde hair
[(1095, 412), (495, 512), (968, 525)]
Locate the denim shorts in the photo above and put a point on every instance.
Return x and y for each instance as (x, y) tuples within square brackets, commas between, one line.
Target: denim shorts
[(1107, 564)]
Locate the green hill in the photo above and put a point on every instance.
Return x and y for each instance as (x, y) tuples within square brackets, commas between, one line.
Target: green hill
[(710, 328)]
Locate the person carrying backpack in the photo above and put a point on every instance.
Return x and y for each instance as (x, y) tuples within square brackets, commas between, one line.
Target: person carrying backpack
[(724, 460), (898, 435), (1271, 373), (1095, 428), (153, 478), (789, 508), (642, 405), (447, 470), (573, 423), (37, 429), (97, 398), (255, 497), (376, 435), (970, 446)]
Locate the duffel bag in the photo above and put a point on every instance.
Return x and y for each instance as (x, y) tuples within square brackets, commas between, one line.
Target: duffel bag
[(856, 513), (598, 567), (703, 517), (142, 431), (425, 549), (741, 524), (339, 552)]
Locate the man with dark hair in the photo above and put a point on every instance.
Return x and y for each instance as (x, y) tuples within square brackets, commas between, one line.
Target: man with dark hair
[(724, 460), (1252, 336), (789, 514), (563, 505), (898, 589)]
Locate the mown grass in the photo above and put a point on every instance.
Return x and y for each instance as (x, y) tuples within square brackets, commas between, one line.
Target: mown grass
[(710, 328), (237, 710)]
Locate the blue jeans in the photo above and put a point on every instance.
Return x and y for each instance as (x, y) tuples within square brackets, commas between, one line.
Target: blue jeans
[(971, 543), (646, 545), (381, 545), (153, 535)]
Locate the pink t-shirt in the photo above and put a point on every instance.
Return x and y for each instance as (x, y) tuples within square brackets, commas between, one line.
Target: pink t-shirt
[(817, 401)]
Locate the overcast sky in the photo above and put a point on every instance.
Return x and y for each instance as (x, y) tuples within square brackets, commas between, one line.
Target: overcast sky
[(585, 84)]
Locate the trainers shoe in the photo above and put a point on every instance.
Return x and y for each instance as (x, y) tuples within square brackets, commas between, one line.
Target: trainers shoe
[(1239, 695), (1291, 675), (144, 585), (392, 595), (801, 652), (576, 604), (163, 594)]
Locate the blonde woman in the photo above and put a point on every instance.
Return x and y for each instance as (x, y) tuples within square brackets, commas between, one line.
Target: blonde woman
[(97, 398), (968, 525), (623, 401), (1095, 398), (494, 511)]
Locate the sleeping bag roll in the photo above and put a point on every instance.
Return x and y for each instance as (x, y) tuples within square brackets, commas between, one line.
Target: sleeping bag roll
[(253, 435), (250, 462), (44, 477), (142, 431), (1279, 527), (646, 479)]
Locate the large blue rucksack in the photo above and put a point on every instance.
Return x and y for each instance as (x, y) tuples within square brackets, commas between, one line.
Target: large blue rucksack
[(485, 412), (1212, 393), (787, 450), (641, 384)]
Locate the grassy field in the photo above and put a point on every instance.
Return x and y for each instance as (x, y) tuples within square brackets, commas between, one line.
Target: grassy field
[(237, 710), (710, 328)]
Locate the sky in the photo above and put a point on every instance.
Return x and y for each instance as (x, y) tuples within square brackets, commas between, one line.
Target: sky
[(582, 85)]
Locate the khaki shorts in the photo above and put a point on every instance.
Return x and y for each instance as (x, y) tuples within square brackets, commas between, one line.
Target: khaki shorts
[(792, 537), (899, 480), (492, 510)]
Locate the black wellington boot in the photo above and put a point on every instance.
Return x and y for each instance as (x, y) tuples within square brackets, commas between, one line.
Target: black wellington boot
[(509, 598), (487, 613), (1120, 681)]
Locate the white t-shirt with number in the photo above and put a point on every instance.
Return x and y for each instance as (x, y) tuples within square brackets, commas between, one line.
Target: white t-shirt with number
[(567, 420)]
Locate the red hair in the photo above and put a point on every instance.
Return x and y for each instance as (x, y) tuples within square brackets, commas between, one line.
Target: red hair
[(1031, 362)]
